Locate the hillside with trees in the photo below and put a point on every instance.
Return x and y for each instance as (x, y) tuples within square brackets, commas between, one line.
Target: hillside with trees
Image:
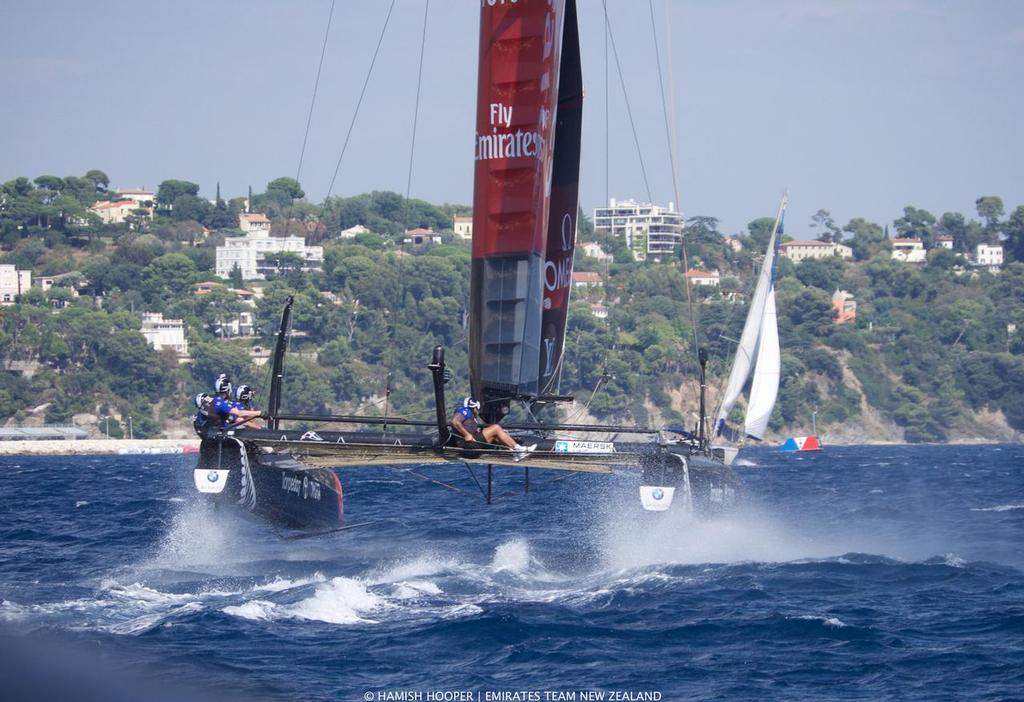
[(936, 352)]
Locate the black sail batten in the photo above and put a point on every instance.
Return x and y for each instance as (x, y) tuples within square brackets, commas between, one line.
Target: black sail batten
[(563, 207), (277, 370)]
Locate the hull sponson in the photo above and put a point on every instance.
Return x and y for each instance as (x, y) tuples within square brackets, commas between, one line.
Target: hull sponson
[(275, 487)]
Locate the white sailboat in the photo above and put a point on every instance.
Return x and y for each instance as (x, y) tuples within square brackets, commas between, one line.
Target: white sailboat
[(758, 352)]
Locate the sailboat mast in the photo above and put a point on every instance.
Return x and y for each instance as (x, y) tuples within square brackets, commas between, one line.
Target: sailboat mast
[(277, 370)]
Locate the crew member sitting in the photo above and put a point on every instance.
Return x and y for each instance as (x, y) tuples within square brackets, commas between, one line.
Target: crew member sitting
[(204, 412), (466, 425), (225, 410)]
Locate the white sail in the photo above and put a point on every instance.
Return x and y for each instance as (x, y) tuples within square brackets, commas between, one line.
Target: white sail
[(746, 352), (765, 386)]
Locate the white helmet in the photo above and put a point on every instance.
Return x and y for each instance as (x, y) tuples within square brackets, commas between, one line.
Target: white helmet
[(244, 393), (471, 403), (222, 384), (201, 399)]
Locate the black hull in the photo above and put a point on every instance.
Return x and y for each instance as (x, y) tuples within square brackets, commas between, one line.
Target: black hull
[(272, 486)]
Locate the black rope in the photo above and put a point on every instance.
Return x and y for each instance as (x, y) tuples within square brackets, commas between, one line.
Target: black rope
[(359, 102), (625, 96), (443, 484), (316, 86), (416, 112)]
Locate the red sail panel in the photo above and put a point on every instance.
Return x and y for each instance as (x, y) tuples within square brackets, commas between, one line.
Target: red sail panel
[(564, 206), (516, 101)]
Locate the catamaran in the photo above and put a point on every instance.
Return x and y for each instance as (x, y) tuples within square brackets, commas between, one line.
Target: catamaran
[(525, 205)]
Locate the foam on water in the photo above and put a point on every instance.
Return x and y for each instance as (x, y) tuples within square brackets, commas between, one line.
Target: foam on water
[(338, 601), (997, 508), (632, 540), (512, 556)]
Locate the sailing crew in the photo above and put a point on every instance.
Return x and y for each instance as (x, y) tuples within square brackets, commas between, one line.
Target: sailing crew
[(244, 396), (225, 410), (204, 412), (465, 423)]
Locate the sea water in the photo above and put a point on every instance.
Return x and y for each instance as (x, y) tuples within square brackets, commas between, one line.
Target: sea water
[(856, 573)]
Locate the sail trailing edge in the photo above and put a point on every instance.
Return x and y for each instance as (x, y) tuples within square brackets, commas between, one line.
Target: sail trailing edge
[(517, 102), (564, 206)]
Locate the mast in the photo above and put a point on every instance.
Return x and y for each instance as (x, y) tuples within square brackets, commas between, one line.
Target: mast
[(277, 370), (517, 96)]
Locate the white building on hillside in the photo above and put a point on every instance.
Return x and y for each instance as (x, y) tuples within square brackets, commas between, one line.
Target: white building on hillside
[(594, 251), (13, 283), (253, 222), (143, 197), (701, 278), (649, 230), (163, 333), (797, 251), (250, 254), (989, 256), (908, 250), (463, 226), (352, 232), (118, 211)]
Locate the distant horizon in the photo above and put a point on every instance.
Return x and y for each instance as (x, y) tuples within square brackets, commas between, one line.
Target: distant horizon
[(859, 109)]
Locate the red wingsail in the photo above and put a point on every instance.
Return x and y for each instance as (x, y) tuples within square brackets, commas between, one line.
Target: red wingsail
[(518, 97)]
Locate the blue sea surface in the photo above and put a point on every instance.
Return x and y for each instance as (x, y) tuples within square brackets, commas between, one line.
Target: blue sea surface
[(858, 573)]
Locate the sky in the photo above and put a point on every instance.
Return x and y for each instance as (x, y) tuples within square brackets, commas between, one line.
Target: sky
[(859, 108)]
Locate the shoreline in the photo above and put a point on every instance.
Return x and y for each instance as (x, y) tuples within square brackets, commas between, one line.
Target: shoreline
[(98, 447)]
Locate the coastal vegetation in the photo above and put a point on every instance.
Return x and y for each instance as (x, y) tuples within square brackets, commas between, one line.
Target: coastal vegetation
[(936, 351)]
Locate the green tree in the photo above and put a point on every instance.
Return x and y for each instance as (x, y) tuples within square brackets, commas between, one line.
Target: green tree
[(760, 231), (868, 238), (916, 224), (170, 190), (235, 278), (100, 181), (990, 209)]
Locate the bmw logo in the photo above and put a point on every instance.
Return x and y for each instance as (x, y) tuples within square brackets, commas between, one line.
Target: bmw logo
[(658, 494), (212, 476)]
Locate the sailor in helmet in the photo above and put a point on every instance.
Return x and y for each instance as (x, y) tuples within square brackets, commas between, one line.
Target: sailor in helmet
[(465, 424), (204, 412), (225, 410), (244, 395)]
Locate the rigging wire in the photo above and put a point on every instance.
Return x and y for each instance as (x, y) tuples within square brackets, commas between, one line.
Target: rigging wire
[(416, 112), (675, 182), (607, 113), (359, 102), (316, 86), (625, 95)]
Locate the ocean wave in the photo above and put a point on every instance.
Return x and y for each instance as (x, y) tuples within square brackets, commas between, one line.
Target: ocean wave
[(831, 622), (998, 508)]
